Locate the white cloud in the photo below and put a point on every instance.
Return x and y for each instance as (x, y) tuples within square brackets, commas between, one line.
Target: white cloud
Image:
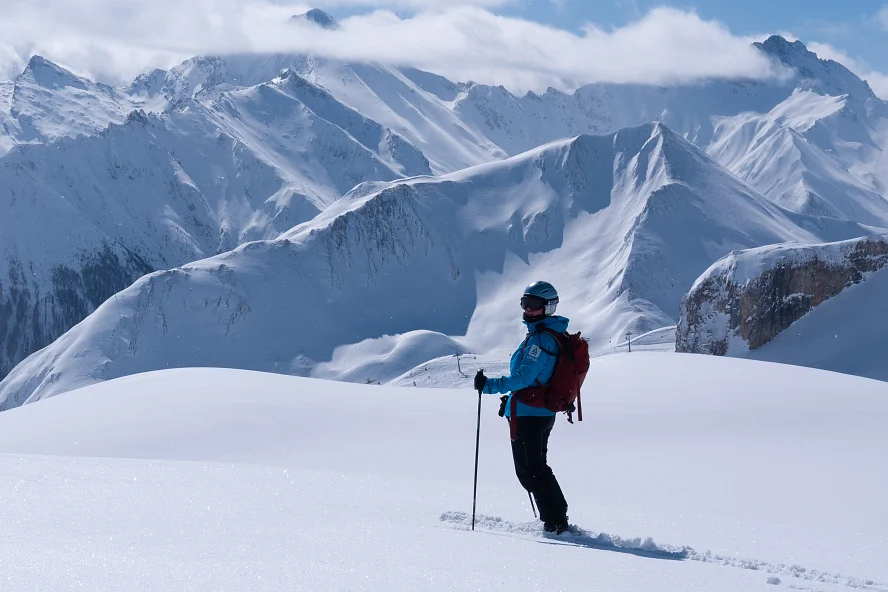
[(878, 81), (882, 16), (417, 4), (114, 40)]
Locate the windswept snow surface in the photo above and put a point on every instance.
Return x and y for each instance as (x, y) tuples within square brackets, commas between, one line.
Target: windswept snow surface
[(442, 262), (214, 479)]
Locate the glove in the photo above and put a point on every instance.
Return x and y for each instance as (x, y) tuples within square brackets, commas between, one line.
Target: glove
[(503, 401), (480, 381)]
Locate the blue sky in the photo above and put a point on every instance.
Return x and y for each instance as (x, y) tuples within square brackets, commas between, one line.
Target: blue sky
[(850, 26)]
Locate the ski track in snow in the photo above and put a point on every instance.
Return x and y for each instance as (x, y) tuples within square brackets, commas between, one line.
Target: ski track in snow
[(646, 547)]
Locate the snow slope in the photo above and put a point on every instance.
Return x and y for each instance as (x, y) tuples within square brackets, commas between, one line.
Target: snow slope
[(801, 154), (230, 480), (46, 102), (847, 333), (158, 191), (441, 261), (381, 93)]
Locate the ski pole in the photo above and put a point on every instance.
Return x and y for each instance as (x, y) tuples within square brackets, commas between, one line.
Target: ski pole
[(477, 443), (532, 507)]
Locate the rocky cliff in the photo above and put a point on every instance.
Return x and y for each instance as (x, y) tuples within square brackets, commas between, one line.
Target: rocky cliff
[(749, 297)]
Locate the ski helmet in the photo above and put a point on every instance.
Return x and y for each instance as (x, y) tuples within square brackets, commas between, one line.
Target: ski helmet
[(544, 293)]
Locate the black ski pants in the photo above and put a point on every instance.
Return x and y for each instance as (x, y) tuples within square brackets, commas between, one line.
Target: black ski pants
[(529, 452)]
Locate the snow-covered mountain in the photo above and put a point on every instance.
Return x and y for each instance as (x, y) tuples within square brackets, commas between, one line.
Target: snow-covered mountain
[(244, 147), (603, 217), (381, 93), (89, 215), (746, 126), (798, 154), (317, 17), (819, 151), (813, 142), (46, 102)]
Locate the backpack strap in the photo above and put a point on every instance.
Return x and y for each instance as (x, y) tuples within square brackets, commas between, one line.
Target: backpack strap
[(579, 407), (554, 354), (555, 335)]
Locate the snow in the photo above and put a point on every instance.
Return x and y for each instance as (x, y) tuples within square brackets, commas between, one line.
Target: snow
[(801, 153), (293, 133), (745, 266), (334, 253), (446, 259), (198, 479), (826, 76), (46, 102), (380, 93), (316, 17), (165, 189)]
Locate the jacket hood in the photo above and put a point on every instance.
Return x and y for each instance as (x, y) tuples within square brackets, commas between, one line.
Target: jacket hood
[(555, 322)]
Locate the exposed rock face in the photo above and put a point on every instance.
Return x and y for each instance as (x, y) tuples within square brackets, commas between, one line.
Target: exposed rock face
[(31, 318), (747, 298)]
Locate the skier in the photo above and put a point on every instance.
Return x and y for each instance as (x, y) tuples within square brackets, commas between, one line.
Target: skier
[(533, 364)]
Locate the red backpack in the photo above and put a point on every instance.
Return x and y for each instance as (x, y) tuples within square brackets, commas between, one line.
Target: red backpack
[(563, 389)]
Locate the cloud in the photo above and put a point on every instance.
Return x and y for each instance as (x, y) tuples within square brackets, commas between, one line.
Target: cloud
[(418, 4), (878, 81), (882, 16), (114, 40)]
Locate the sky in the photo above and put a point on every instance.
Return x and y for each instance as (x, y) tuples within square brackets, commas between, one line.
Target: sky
[(522, 44)]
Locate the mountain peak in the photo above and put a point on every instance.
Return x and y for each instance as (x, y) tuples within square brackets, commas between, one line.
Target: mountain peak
[(831, 76), (783, 49), (317, 17), (49, 75), (147, 83)]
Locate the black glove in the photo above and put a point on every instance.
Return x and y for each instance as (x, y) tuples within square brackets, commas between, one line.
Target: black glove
[(503, 401), (480, 381)]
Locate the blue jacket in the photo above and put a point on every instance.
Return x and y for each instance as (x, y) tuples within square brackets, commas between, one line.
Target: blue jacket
[(533, 364)]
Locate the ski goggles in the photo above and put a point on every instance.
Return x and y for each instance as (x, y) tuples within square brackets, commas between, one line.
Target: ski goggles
[(529, 302)]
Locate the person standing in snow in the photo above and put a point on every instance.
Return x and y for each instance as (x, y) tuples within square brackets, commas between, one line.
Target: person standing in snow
[(533, 364)]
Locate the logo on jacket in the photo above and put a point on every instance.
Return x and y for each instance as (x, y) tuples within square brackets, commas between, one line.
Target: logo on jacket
[(534, 352)]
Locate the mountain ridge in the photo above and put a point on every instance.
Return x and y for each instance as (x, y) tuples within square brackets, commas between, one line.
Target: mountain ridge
[(297, 132), (439, 241)]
